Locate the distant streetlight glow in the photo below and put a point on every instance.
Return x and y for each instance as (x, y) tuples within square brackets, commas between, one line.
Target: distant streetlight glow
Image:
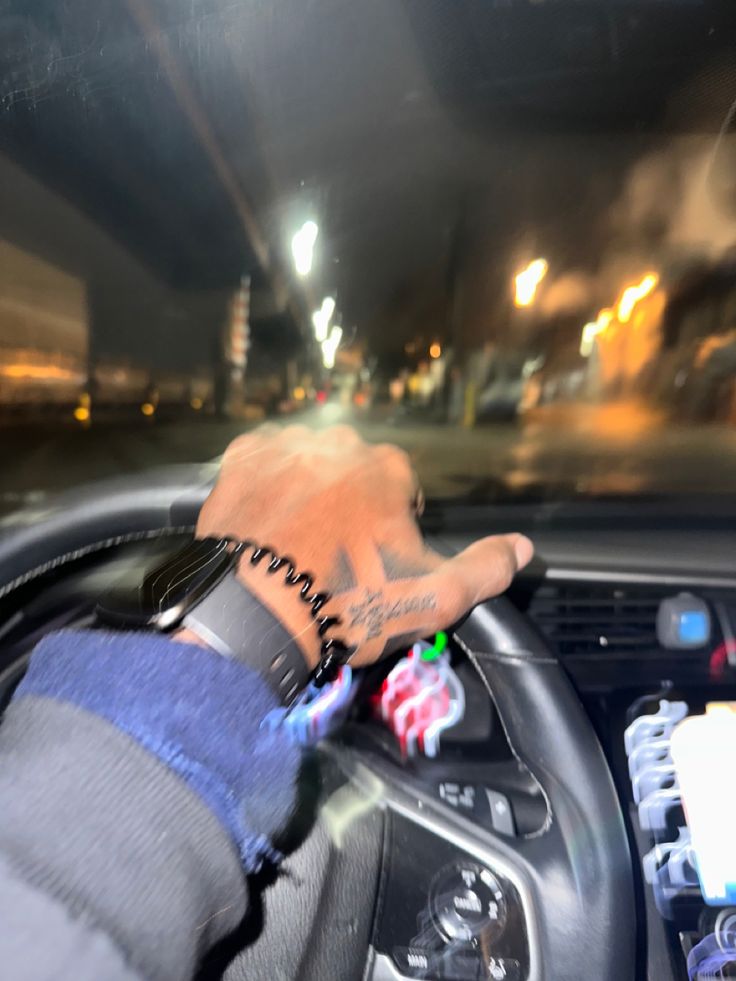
[(330, 346), (435, 350), (321, 319), (302, 247), (587, 338), (592, 329), (631, 296), (527, 281)]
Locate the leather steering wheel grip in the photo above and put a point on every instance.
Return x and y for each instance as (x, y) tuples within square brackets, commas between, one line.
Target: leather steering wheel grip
[(579, 867)]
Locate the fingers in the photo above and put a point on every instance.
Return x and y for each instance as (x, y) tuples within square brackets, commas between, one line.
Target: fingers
[(484, 569), (401, 474)]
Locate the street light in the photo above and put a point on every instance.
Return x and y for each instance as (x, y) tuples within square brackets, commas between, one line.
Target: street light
[(330, 346), (631, 296), (321, 319), (302, 247), (527, 281)]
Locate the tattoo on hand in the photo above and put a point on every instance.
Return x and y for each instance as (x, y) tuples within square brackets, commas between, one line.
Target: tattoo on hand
[(343, 579), (374, 612), (397, 567)]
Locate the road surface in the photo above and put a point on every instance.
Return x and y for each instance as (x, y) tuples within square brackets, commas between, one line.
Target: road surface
[(565, 451)]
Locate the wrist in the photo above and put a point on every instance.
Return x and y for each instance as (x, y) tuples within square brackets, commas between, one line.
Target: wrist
[(186, 635), (285, 604), (234, 621)]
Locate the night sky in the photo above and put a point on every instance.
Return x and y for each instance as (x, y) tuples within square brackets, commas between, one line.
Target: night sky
[(438, 144)]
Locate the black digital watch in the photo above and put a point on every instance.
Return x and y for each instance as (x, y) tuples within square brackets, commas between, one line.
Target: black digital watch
[(197, 587)]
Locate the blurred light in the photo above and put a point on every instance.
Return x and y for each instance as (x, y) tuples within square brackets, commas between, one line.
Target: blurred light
[(592, 329), (532, 365), (299, 393), (148, 409), (527, 281), (302, 247), (81, 413), (85, 400), (435, 350), (321, 319), (330, 346), (605, 316), (588, 336), (46, 372), (321, 397), (196, 403), (631, 296), (360, 398)]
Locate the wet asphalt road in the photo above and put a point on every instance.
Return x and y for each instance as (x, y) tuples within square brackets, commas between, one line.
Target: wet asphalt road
[(560, 451)]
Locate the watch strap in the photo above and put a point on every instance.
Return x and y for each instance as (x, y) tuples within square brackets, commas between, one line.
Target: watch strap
[(235, 624)]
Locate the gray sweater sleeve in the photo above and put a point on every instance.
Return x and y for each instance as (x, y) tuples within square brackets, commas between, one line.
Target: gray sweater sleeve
[(110, 866), (137, 787)]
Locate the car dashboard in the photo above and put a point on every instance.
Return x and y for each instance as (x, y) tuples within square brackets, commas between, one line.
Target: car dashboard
[(596, 595)]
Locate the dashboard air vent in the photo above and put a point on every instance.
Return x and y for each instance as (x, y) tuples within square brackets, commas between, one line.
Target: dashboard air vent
[(588, 619)]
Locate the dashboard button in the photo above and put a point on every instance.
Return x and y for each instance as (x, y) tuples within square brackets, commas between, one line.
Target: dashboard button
[(468, 901), (468, 798), (415, 962), (503, 969), (502, 817), (462, 966)]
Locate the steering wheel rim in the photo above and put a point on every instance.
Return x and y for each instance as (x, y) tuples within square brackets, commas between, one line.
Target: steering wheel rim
[(578, 867)]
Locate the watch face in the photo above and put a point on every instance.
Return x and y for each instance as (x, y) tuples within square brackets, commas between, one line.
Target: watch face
[(169, 591)]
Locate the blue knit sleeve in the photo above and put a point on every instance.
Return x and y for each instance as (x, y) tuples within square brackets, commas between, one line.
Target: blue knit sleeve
[(197, 712)]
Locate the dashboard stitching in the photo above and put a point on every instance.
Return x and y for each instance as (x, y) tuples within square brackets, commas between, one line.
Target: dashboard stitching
[(99, 546)]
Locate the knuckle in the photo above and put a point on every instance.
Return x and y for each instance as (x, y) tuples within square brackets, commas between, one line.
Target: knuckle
[(295, 433), (267, 429), (238, 445), (394, 457), (342, 433)]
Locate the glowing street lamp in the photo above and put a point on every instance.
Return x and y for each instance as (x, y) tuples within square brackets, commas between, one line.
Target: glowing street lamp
[(527, 281), (631, 296), (321, 319), (330, 346), (302, 247)]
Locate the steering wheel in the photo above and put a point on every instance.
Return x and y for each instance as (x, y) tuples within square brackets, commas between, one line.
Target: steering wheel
[(571, 881)]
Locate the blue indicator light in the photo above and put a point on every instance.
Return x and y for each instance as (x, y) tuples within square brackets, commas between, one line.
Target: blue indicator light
[(693, 627)]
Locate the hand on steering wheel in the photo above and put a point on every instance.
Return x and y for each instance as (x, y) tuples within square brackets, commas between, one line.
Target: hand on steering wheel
[(346, 512)]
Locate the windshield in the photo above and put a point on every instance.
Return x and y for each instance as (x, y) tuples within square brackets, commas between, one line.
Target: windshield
[(499, 234)]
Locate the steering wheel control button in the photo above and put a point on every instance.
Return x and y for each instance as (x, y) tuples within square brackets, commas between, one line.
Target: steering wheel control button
[(502, 817), (462, 965), (467, 798), (445, 912), (468, 901), (415, 962), (502, 969), (683, 622), (457, 795)]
